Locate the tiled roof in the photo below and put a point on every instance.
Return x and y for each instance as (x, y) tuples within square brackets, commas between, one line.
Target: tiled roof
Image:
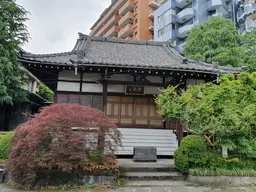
[(101, 51)]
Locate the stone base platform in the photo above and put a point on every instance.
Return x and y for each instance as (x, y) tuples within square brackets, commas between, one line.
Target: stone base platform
[(145, 174)]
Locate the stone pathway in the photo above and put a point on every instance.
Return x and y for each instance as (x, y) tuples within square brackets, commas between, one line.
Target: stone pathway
[(4, 188)]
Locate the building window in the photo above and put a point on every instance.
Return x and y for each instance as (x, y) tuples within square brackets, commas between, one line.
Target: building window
[(136, 21), (173, 26), (136, 35), (30, 86), (94, 101), (166, 29), (166, 16)]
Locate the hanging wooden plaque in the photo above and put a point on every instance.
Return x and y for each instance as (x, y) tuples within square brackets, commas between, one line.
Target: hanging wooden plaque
[(134, 90)]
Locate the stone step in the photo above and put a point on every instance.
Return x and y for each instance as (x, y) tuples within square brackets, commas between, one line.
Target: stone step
[(139, 176), (154, 144), (155, 183), (149, 138), (148, 133), (149, 168), (159, 152), (162, 139)]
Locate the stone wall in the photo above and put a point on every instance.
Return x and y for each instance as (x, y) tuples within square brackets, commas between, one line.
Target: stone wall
[(74, 178), (80, 178), (222, 181)]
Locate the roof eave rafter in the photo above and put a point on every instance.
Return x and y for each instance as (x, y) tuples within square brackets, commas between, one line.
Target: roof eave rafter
[(82, 66)]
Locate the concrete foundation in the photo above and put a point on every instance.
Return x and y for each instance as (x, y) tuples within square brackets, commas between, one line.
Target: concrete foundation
[(222, 181)]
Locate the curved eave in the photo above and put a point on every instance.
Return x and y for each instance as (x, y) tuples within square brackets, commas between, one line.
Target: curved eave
[(184, 68), (36, 61)]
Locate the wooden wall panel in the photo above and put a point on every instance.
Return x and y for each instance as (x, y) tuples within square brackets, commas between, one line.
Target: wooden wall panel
[(134, 112)]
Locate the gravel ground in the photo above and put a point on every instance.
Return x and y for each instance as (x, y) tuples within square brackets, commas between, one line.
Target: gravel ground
[(5, 188)]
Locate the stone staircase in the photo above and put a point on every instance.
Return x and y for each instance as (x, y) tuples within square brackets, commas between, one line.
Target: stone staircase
[(163, 139), (150, 174)]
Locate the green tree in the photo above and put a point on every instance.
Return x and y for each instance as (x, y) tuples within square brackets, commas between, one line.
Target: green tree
[(215, 41), (45, 92), (13, 33), (224, 114), (249, 45)]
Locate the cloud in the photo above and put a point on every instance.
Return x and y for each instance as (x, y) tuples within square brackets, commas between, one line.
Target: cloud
[(54, 24)]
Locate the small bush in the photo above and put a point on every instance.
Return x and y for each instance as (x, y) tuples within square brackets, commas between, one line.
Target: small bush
[(62, 137), (193, 153), (194, 143), (5, 144)]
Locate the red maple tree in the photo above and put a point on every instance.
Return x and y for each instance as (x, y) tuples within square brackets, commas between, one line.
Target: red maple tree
[(61, 137)]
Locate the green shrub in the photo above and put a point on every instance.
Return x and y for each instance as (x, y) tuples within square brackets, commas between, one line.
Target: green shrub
[(240, 164), (194, 143), (193, 153), (5, 144), (94, 156)]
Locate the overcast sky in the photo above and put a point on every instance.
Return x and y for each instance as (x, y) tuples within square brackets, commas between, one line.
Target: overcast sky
[(54, 24)]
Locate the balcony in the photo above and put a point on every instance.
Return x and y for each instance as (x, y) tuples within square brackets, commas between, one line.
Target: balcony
[(185, 15), (154, 4), (151, 28), (243, 14), (128, 6), (182, 3), (214, 4), (129, 38), (126, 31), (126, 19), (218, 15), (180, 47), (184, 31), (239, 2), (113, 21), (112, 32), (151, 15), (106, 15)]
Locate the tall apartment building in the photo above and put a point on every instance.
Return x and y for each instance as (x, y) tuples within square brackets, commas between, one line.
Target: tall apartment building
[(175, 18), (246, 15), (127, 19)]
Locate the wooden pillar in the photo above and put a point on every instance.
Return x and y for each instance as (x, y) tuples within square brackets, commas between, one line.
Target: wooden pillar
[(101, 135), (105, 91), (81, 81), (179, 131), (105, 96)]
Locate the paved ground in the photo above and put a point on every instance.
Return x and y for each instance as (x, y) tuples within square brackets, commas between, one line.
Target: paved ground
[(4, 188)]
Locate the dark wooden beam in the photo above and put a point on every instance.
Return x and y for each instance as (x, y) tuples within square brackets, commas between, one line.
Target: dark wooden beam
[(81, 82), (105, 90)]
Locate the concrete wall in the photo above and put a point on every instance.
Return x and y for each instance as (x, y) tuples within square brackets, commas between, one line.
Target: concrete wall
[(69, 75), (223, 181)]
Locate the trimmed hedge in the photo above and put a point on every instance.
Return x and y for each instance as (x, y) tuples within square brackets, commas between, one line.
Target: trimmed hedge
[(193, 153), (5, 144)]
